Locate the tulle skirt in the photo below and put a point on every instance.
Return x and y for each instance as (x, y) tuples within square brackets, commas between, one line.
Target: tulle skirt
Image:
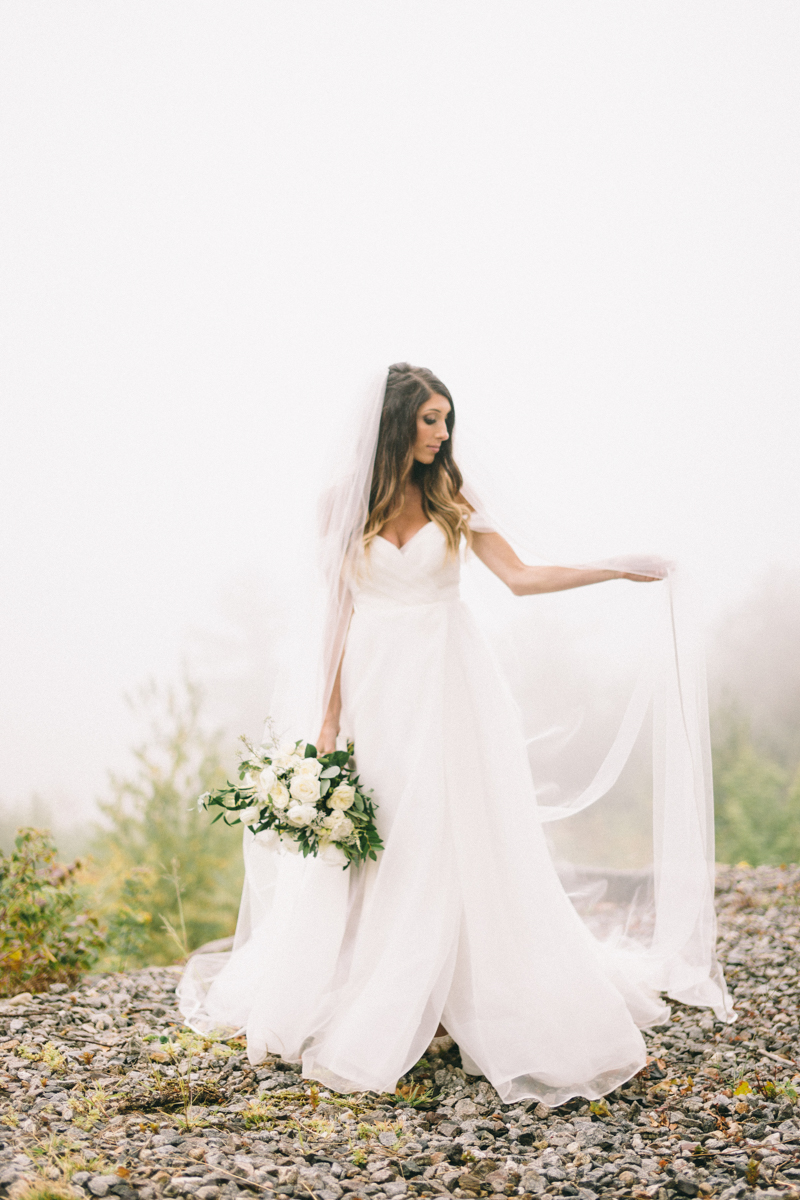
[(461, 920)]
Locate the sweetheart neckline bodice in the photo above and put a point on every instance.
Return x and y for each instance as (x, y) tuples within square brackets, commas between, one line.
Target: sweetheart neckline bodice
[(408, 541), (418, 572)]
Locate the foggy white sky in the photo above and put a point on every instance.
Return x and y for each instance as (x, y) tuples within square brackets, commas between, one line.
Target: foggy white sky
[(583, 216)]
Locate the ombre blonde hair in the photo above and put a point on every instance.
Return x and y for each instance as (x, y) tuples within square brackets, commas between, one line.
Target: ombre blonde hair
[(407, 388)]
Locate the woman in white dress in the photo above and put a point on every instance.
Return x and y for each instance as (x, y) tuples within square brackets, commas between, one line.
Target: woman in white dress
[(462, 924)]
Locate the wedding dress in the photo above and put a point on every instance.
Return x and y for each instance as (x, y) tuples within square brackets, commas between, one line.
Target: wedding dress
[(463, 918)]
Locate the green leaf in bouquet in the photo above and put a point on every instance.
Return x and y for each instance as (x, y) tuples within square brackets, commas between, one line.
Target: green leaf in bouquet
[(358, 803), (324, 786), (330, 772), (311, 751)]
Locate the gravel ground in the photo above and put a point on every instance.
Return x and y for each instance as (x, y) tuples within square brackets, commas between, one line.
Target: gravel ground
[(102, 1093)]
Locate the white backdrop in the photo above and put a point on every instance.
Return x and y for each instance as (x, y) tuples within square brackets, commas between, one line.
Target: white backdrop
[(218, 215)]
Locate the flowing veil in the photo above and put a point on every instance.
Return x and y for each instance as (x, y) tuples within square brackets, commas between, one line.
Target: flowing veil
[(631, 818), (612, 692)]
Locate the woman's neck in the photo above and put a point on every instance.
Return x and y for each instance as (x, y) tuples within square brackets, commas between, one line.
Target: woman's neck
[(411, 518)]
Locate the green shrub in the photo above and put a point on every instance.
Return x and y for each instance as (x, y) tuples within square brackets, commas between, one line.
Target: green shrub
[(757, 803), (165, 880), (44, 936)]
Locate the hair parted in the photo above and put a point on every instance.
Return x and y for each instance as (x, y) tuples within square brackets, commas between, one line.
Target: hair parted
[(407, 388)]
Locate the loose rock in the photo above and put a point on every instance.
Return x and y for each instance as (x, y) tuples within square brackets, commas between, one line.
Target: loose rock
[(104, 1093)]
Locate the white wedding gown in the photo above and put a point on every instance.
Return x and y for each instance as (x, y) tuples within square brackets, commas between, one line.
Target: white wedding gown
[(463, 918)]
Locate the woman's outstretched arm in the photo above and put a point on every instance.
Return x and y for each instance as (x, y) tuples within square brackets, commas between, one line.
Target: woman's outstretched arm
[(501, 559)]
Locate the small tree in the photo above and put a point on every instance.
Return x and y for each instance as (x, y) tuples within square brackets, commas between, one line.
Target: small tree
[(44, 936), (167, 881)]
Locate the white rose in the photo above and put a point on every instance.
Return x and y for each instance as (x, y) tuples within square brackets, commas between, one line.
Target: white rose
[(286, 762), (249, 816), (309, 766), (292, 750), (268, 838), (347, 828), (342, 797), (304, 788), (339, 825), (279, 796), (301, 814), (264, 783), (332, 855)]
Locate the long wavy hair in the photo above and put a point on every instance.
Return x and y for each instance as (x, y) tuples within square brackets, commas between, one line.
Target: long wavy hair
[(407, 388)]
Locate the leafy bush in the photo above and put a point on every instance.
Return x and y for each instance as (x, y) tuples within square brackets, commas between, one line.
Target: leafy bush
[(757, 802), (166, 881), (755, 694), (44, 936)]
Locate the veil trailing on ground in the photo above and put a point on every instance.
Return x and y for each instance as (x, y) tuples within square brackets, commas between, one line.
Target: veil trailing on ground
[(610, 684)]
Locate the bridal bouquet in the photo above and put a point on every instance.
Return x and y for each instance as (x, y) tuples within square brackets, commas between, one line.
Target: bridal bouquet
[(298, 801)]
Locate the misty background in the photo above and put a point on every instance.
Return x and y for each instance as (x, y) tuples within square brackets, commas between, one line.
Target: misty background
[(216, 217)]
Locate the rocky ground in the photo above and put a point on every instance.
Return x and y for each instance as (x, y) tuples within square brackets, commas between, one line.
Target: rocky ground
[(103, 1093)]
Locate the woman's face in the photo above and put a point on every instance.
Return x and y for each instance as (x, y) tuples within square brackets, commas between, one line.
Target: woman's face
[(431, 428)]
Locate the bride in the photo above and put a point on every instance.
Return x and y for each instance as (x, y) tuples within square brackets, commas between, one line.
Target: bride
[(463, 923)]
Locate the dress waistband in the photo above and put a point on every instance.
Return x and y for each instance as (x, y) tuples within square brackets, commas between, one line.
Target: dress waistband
[(371, 602)]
